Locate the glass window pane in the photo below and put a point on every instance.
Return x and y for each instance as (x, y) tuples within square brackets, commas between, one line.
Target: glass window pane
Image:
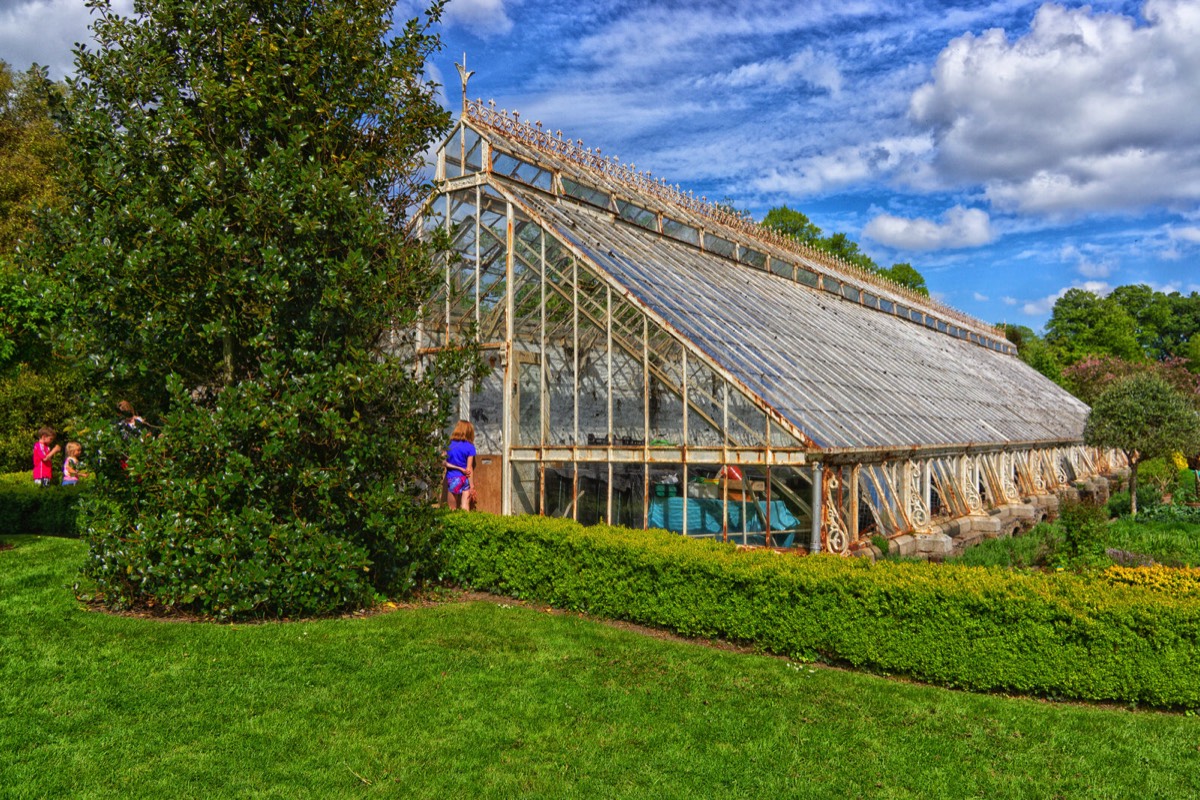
[(487, 411), (592, 501), (474, 147), (453, 151), (680, 231), (807, 277), (747, 423), (752, 257), (585, 193), (560, 489), (628, 495), (526, 488), (665, 402), (715, 244), (705, 391), (642, 217), (593, 360)]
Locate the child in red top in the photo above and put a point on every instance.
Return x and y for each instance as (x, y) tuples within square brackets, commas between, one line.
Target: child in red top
[(43, 455)]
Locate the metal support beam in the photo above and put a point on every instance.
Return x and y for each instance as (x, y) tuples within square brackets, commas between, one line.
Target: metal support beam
[(814, 545)]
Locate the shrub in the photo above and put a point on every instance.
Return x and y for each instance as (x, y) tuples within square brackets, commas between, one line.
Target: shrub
[(1063, 635), (1148, 498), (25, 508)]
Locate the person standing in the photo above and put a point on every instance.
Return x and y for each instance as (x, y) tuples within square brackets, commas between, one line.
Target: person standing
[(460, 465), (43, 456)]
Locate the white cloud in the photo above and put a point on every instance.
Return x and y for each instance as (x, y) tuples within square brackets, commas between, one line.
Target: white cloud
[(1188, 234), (806, 66), (842, 167), (1086, 111), (1037, 308), (484, 18), (46, 31), (960, 227), (1009, 301), (979, 297)]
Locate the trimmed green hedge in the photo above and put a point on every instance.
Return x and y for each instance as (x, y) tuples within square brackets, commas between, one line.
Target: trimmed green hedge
[(1059, 635), (25, 508)]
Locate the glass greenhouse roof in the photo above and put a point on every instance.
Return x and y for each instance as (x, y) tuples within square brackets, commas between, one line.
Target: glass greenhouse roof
[(850, 360)]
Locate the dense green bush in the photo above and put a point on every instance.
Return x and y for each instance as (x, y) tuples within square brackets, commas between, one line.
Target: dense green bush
[(1084, 528), (1148, 498), (1062, 635), (25, 508)]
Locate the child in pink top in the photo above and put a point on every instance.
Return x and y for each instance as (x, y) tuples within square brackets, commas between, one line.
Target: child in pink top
[(43, 455)]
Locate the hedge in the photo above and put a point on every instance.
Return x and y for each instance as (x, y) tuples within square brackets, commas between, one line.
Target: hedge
[(1089, 637), (25, 508)]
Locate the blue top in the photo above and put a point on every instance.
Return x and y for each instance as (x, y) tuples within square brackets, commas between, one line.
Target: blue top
[(458, 454)]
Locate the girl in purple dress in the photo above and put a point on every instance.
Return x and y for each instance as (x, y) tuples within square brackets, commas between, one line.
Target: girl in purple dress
[(460, 464)]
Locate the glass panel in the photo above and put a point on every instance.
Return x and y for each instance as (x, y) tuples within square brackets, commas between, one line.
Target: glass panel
[(593, 360), (886, 305), (504, 164), (628, 387), (666, 387), (902, 311), (715, 244), (870, 300), (705, 391), (851, 293), (628, 494), (752, 257), (831, 285), (492, 278), (747, 424), (527, 416), (680, 231), (642, 217), (527, 286), (592, 502), (526, 488), (560, 344), (666, 501), (783, 268), (782, 439), (790, 516), (930, 322), (487, 410), (585, 193), (807, 277), (474, 147), (746, 505), (453, 150), (560, 489)]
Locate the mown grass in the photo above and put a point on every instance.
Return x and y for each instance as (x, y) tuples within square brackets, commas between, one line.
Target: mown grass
[(499, 700)]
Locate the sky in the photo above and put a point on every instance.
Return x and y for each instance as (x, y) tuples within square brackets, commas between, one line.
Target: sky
[(1008, 150)]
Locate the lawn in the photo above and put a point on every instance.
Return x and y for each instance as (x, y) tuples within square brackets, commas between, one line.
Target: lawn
[(493, 699)]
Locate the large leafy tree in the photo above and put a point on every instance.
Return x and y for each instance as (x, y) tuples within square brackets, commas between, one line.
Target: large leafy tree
[(37, 385), (1144, 417), (238, 253), (31, 150), (1084, 324)]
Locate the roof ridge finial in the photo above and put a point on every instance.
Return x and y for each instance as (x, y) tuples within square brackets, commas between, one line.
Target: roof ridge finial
[(465, 75)]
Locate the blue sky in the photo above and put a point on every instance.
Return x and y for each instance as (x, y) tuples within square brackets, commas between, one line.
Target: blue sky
[(1008, 150)]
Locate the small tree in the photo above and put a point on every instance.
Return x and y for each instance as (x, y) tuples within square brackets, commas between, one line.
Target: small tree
[(241, 266), (1143, 417)]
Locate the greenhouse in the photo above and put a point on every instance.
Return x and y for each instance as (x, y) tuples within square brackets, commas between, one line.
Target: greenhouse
[(657, 362)]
